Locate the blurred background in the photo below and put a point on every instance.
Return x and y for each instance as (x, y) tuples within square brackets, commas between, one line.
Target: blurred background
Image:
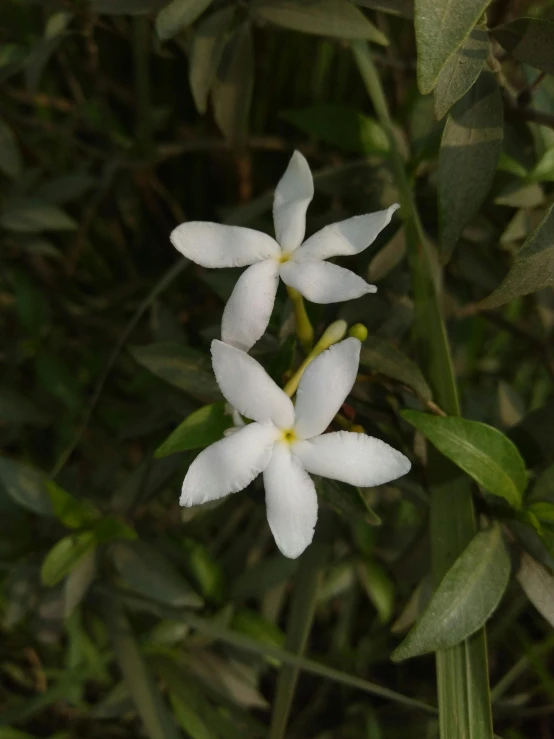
[(121, 614)]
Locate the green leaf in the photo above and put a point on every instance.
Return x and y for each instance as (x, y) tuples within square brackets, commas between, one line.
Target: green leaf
[(461, 71), (381, 356), (79, 581), (379, 588), (10, 158), (66, 188), (538, 585), (544, 169), (233, 86), (533, 267), (346, 128), (199, 430), (206, 51), (529, 40), (204, 570), (483, 452), (543, 510), (65, 555), (124, 7), (466, 597), (29, 215), (146, 571), (178, 15), (346, 499), (25, 485), (441, 28), (402, 8), (70, 511), (186, 368), (148, 702), (321, 17), (189, 719), (253, 624), (470, 147)]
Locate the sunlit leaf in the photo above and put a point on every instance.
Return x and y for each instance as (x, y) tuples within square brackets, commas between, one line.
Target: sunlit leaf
[(529, 40), (533, 267), (465, 598), (482, 451), (469, 152), (461, 71), (441, 28), (321, 17)]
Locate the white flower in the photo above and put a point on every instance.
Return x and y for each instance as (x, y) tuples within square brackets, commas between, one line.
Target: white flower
[(300, 265), (285, 442)]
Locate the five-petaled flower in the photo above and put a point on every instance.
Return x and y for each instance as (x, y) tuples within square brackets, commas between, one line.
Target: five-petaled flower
[(286, 441), (300, 265)]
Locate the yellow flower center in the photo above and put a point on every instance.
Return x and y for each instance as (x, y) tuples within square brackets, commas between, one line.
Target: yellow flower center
[(288, 436), (285, 257)]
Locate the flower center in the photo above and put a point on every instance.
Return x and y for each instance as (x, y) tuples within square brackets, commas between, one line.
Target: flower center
[(289, 436), (285, 257)]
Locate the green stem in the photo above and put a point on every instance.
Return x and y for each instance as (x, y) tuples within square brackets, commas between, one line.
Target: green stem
[(304, 329), (333, 333), (462, 674)]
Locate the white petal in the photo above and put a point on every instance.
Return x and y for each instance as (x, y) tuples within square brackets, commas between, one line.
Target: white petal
[(248, 310), (324, 387), (291, 502), (214, 245), (228, 465), (248, 387), (322, 282), (354, 458), (346, 237), (293, 194)]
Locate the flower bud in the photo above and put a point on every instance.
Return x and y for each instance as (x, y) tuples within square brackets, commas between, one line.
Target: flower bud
[(358, 331), (332, 334)]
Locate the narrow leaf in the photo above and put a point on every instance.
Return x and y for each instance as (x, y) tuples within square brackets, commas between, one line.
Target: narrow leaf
[(483, 452), (144, 692), (199, 430), (181, 366), (26, 486), (65, 555), (530, 40), (381, 356), (340, 126), (533, 268), (469, 152), (206, 50), (232, 90), (178, 15), (28, 215), (441, 28), (466, 597), (461, 71), (321, 17), (78, 582), (538, 585)]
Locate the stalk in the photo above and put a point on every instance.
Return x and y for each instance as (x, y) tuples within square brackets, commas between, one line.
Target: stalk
[(462, 673)]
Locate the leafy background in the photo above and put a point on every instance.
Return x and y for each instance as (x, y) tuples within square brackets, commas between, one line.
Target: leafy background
[(121, 614)]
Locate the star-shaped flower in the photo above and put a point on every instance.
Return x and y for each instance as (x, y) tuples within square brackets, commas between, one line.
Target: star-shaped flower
[(286, 441), (300, 265)]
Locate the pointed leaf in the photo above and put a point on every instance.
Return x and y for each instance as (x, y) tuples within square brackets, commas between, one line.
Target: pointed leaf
[(186, 368), (206, 50), (321, 17), (340, 126), (538, 585), (232, 90), (482, 451), (466, 597), (461, 71), (533, 268), (178, 15), (30, 215), (530, 40), (441, 28), (199, 430), (65, 555), (26, 486), (469, 152), (381, 356)]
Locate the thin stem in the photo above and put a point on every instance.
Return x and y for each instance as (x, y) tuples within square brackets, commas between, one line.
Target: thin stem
[(304, 329), (333, 333), (462, 674)]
